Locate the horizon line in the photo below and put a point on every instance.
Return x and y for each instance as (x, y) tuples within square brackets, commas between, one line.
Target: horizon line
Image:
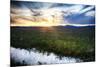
[(75, 25)]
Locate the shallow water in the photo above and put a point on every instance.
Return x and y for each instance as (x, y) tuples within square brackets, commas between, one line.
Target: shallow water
[(34, 57)]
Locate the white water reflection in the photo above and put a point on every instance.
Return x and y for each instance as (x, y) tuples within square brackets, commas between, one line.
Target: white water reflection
[(33, 57)]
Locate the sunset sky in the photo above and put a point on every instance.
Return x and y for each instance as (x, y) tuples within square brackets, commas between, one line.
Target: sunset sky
[(25, 13)]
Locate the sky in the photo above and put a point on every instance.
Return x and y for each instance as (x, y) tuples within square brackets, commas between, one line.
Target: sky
[(24, 13)]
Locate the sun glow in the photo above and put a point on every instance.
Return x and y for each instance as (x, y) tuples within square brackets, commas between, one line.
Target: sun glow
[(49, 17), (41, 24)]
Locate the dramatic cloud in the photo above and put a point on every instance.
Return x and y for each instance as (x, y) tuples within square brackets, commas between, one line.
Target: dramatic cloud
[(87, 9), (50, 14)]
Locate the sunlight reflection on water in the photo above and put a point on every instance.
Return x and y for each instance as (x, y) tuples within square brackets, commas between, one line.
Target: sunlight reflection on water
[(34, 57)]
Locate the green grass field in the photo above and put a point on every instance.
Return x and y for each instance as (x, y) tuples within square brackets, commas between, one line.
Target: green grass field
[(63, 41)]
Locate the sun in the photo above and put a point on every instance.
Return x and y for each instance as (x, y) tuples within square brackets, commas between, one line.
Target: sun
[(44, 24)]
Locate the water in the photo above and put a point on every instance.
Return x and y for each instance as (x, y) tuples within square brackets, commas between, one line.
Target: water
[(34, 57)]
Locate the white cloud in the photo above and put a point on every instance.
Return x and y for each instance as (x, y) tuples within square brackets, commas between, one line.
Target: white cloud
[(68, 10), (21, 12), (75, 8), (87, 9), (90, 13)]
